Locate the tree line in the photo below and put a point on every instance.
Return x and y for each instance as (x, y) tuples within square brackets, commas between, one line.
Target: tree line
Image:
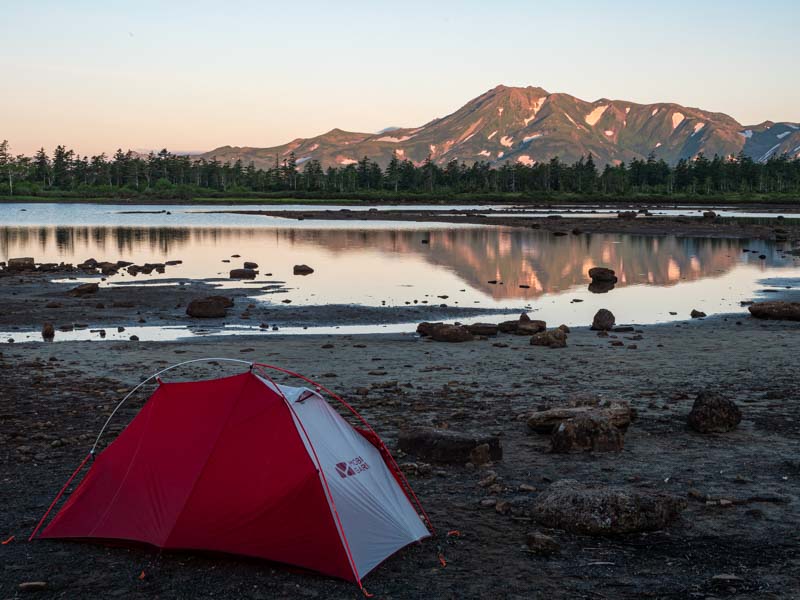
[(165, 174)]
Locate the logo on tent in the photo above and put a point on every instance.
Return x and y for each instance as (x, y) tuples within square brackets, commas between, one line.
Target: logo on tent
[(354, 467)]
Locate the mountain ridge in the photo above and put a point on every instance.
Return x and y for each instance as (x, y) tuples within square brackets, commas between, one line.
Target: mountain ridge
[(529, 125)]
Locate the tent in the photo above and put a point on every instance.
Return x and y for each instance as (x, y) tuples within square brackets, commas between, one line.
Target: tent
[(243, 465)]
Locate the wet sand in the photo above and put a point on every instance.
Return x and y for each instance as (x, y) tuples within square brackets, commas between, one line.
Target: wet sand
[(55, 397)]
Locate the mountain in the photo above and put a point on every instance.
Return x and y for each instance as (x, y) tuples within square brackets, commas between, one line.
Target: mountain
[(529, 125)]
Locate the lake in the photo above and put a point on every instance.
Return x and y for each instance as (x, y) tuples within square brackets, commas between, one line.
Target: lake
[(400, 263)]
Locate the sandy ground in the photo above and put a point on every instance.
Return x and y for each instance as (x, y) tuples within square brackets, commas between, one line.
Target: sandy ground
[(54, 398)]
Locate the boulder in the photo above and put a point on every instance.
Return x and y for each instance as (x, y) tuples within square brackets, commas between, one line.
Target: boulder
[(213, 307), (786, 311), (425, 328), (697, 314), (48, 331), (451, 333), (593, 510), (508, 326), (84, 289), (713, 413), (542, 544), (627, 215), (618, 413), (602, 274), (242, 274), (21, 264), (587, 433), (530, 327), (302, 270), (482, 329), (709, 214), (446, 446), (603, 320), (555, 338), (601, 287), (250, 265)]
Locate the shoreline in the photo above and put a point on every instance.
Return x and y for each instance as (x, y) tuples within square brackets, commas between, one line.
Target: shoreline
[(52, 414)]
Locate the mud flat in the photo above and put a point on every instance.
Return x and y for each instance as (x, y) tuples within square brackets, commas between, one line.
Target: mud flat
[(737, 536)]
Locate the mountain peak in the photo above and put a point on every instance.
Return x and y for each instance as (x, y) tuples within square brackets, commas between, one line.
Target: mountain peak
[(526, 125)]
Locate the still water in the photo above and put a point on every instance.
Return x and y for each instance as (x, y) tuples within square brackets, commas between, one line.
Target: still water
[(394, 264)]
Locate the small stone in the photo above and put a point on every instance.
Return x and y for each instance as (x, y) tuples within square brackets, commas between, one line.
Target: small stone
[(542, 544)]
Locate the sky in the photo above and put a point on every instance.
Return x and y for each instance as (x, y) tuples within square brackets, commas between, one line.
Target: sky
[(193, 76)]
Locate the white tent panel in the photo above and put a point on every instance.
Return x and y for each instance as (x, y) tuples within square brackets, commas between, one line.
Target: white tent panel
[(375, 513)]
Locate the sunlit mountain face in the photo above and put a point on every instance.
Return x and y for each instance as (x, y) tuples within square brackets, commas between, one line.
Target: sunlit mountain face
[(529, 125)]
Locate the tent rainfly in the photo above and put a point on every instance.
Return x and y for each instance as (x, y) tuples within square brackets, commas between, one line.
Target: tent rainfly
[(246, 466)]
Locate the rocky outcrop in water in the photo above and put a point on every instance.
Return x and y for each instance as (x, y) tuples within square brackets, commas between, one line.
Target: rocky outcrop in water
[(713, 413), (778, 310)]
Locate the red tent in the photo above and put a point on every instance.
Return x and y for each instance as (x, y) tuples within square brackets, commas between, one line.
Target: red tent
[(246, 466)]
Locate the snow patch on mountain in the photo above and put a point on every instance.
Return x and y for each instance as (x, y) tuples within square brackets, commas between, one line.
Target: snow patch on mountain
[(500, 154), (627, 109), (484, 153), (300, 161), (506, 141), (658, 145), (527, 139), (525, 160), (609, 132), (491, 135), (500, 111), (571, 120), (769, 153), (793, 126), (655, 112), (342, 160), (593, 117), (313, 147), (697, 128), (780, 136), (677, 119), (394, 140), (747, 133)]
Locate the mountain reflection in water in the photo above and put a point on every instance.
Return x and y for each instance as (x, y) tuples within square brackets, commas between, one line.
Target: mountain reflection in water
[(515, 257)]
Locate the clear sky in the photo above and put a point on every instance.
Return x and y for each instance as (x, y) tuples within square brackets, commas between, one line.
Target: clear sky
[(97, 75)]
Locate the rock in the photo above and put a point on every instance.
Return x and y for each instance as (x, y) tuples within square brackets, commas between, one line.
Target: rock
[(451, 333), (302, 270), (709, 214), (563, 328), (84, 289), (48, 331), (786, 311), (713, 413), (555, 338), (603, 320), (212, 307), (32, 586), (242, 274), (250, 265), (21, 264), (446, 446), (618, 413), (169, 263), (602, 274), (697, 314), (587, 433), (524, 318), (480, 455), (530, 327), (508, 326), (600, 287), (542, 544), (134, 338), (482, 329), (586, 509), (425, 328), (627, 215)]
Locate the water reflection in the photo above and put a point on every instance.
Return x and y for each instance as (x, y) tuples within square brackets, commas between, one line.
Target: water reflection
[(349, 258)]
